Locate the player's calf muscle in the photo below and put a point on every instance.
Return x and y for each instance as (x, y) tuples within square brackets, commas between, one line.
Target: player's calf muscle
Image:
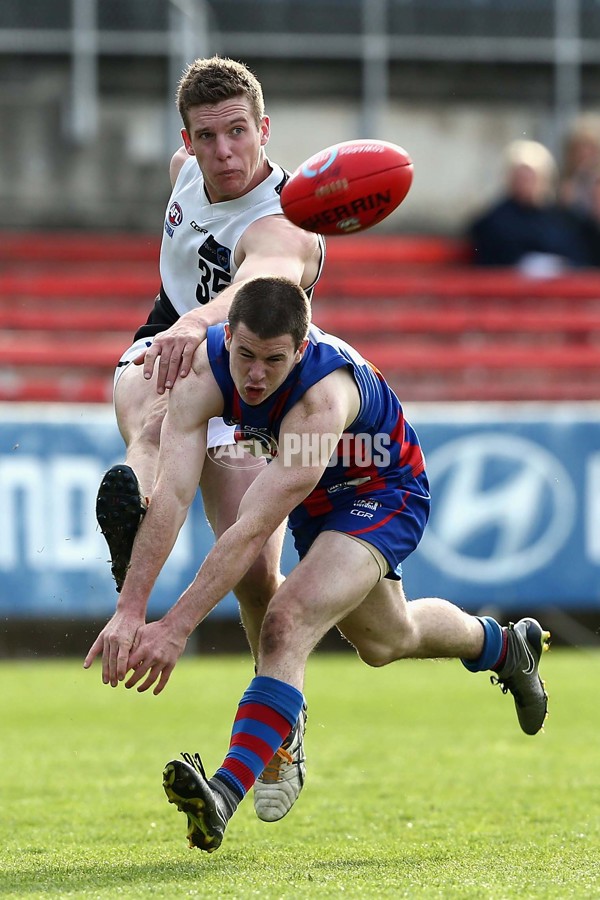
[(387, 646)]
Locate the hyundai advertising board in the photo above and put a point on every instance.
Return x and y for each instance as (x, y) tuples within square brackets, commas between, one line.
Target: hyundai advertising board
[(515, 518)]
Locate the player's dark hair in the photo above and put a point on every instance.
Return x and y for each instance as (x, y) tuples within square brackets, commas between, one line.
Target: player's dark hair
[(271, 307), (209, 81)]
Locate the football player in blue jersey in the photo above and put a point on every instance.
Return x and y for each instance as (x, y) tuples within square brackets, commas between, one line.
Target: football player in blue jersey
[(349, 472)]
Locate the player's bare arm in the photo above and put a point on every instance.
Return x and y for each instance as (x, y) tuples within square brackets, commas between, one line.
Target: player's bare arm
[(181, 458), (270, 246), (275, 246), (327, 408), (180, 156)]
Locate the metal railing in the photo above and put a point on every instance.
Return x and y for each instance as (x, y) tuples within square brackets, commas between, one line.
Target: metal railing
[(564, 34)]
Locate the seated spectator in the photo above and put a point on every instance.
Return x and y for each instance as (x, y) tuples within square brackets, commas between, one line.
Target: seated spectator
[(580, 166), (527, 228)]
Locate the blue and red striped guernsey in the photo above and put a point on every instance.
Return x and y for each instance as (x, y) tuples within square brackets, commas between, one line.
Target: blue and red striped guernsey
[(380, 422)]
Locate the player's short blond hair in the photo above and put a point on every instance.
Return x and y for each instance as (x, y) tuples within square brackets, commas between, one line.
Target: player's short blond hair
[(209, 81)]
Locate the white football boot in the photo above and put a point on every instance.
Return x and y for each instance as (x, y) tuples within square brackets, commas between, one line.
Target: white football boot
[(279, 786)]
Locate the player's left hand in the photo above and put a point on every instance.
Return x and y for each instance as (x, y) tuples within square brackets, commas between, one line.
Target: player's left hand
[(114, 644), (172, 351), (157, 649)]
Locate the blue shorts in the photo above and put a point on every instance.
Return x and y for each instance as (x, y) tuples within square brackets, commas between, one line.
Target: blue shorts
[(390, 516)]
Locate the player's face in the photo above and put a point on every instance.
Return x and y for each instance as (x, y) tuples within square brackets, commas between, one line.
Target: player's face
[(258, 367), (228, 146)]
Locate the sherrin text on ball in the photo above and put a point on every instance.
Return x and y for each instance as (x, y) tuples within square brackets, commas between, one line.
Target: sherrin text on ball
[(348, 187)]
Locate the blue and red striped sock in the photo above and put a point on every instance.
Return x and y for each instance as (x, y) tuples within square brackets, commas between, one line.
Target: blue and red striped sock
[(494, 647), (266, 714)]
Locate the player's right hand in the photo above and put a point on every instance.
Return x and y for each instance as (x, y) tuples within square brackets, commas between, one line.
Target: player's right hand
[(157, 649)]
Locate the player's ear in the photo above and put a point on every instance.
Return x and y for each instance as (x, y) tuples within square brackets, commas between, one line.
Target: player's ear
[(301, 349), (227, 331), (187, 142), (265, 130)]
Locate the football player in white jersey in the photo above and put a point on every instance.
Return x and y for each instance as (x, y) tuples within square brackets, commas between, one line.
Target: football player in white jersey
[(223, 226)]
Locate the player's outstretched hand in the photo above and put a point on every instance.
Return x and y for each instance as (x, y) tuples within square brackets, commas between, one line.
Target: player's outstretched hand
[(114, 644), (174, 350), (157, 649)]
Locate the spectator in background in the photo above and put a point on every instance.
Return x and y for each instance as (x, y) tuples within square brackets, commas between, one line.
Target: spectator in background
[(578, 184), (527, 227)]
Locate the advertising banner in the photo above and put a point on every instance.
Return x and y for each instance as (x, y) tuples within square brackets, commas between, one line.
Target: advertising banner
[(515, 516)]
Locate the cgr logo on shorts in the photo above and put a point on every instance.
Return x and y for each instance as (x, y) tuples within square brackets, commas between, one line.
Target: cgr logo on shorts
[(361, 507), (503, 508)]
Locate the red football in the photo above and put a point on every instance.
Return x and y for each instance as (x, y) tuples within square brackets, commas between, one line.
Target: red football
[(348, 187)]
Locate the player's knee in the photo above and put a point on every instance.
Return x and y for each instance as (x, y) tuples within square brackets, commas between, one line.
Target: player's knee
[(276, 633)]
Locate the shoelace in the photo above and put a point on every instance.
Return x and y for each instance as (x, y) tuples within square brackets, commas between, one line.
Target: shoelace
[(195, 762), (518, 695), (271, 770)]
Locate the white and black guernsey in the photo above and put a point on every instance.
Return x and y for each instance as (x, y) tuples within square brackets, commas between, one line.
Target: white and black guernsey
[(197, 257)]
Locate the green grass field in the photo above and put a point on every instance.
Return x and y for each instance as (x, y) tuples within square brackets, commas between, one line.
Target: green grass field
[(420, 784)]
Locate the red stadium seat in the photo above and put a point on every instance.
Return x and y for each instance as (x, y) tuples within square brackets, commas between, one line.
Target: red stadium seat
[(439, 328)]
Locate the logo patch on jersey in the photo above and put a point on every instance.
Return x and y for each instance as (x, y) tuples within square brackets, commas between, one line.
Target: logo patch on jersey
[(199, 228), (174, 218), (175, 214), (215, 254)]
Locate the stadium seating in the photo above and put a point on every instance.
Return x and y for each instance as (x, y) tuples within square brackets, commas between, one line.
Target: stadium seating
[(439, 328)]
